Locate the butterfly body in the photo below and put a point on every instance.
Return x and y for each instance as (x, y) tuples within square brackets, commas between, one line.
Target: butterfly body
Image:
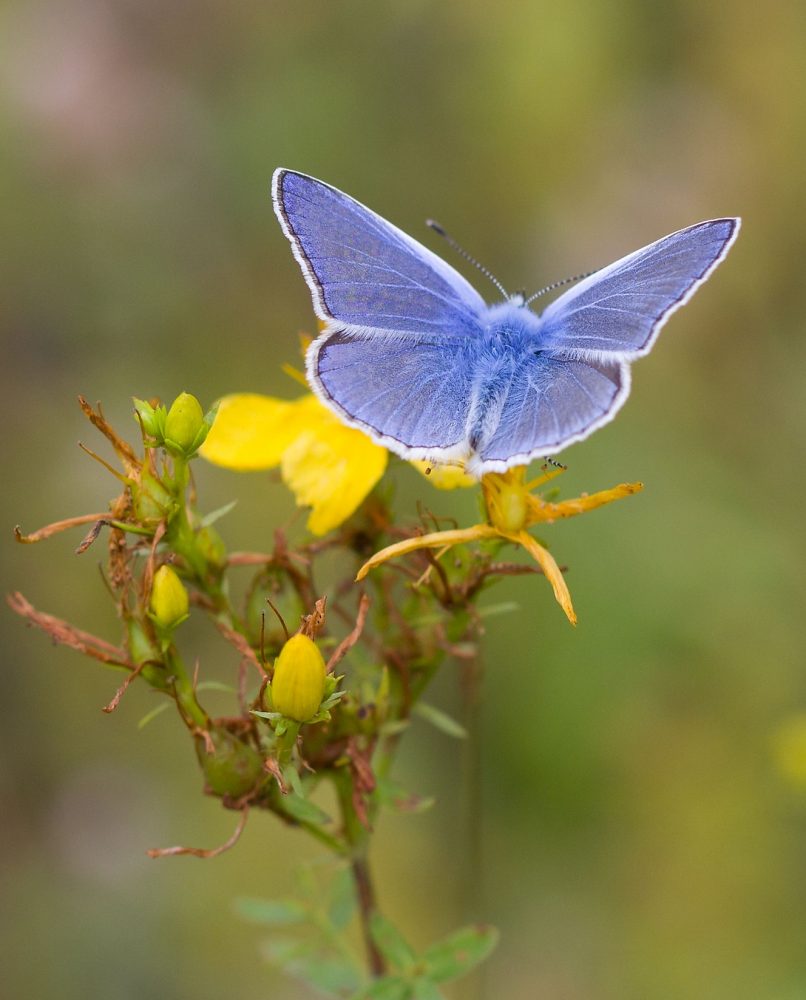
[(412, 354)]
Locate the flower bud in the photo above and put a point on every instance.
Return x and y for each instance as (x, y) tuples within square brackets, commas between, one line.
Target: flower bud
[(169, 599), (184, 425), (298, 685)]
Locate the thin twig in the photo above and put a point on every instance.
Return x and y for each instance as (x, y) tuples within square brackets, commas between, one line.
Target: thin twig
[(55, 528), (67, 635), (350, 640), (201, 852)]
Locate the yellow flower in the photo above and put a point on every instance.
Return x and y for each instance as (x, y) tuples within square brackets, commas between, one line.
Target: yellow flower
[(445, 477), (328, 466), (512, 507)]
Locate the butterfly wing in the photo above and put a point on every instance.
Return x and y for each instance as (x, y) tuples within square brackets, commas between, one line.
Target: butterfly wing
[(410, 394), (619, 310), (552, 403), (365, 273)]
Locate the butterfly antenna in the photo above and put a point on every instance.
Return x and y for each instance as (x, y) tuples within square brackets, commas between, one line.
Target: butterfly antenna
[(559, 284), (460, 250)]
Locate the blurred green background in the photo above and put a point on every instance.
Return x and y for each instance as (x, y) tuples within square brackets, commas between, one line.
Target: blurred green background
[(644, 799)]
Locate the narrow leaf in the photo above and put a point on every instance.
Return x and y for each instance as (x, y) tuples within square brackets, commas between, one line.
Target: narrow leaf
[(274, 912), (331, 975), (342, 900), (303, 810), (390, 942), (503, 608), (153, 714), (426, 989), (394, 796), (460, 952), (388, 988), (215, 515), (441, 720)]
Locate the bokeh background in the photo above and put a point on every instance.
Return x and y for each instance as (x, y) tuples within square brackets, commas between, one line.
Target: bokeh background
[(644, 792)]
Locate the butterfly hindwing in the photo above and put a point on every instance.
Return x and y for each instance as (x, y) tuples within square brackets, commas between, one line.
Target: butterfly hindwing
[(409, 394), (620, 309), (550, 404), (364, 272)]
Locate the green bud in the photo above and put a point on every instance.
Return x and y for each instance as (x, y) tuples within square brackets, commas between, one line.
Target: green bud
[(186, 426), (298, 685), (234, 767), (169, 599)]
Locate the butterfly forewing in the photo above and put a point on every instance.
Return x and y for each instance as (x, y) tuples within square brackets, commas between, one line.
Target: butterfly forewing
[(620, 309), (366, 273)]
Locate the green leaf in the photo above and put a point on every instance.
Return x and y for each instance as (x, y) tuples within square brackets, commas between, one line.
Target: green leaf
[(331, 975), (394, 726), (441, 720), (153, 714), (426, 989), (301, 809), (388, 988), (217, 514), (394, 796), (390, 942), (342, 900), (281, 951), (274, 912), (504, 608), (458, 953)]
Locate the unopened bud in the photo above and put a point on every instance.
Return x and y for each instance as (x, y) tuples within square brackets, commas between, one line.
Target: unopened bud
[(185, 428), (169, 599), (298, 685)]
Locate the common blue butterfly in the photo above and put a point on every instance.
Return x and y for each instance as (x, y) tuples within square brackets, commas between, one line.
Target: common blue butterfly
[(412, 355)]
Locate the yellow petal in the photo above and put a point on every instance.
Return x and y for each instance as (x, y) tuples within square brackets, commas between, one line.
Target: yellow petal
[(445, 477), (250, 432), (539, 510), (435, 540), (546, 561), (330, 467)]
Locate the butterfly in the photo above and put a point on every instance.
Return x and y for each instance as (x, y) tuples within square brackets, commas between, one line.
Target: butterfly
[(412, 355)]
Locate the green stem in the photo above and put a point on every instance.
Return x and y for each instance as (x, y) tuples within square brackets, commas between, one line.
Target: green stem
[(357, 837), (183, 687)]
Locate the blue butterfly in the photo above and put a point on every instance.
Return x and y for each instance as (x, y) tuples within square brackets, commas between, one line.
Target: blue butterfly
[(412, 355)]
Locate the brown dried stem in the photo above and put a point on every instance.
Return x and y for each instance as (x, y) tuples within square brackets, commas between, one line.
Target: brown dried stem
[(67, 635), (201, 852)]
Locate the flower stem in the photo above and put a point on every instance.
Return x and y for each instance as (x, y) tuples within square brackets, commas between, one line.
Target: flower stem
[(357, 836), (365, 891)]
